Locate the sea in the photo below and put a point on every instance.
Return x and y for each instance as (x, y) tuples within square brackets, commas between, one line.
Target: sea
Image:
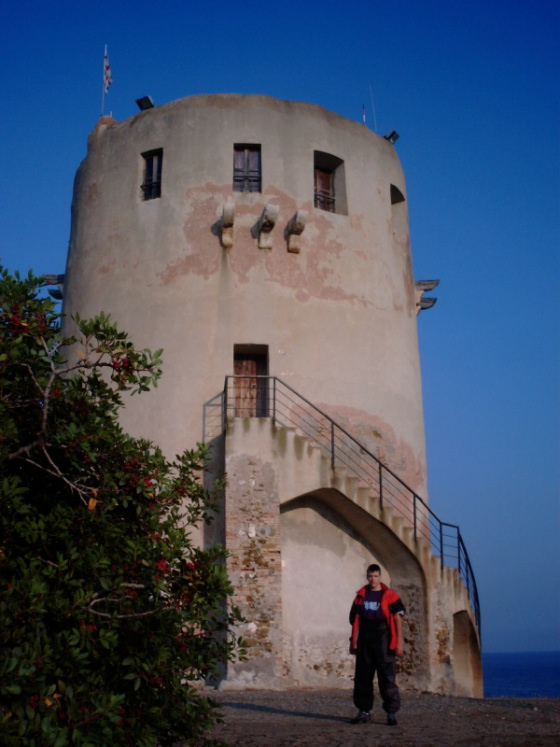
[(522, 675)]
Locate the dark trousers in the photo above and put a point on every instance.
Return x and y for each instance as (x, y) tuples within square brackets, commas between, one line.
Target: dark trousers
[(373, 655)]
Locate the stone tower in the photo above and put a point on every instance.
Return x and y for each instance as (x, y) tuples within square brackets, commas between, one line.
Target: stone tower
[(267, 241)]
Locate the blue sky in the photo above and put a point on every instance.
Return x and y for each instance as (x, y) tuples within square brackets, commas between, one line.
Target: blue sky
[(473, 89)]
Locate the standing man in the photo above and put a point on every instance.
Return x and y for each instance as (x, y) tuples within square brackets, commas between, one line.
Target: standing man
[(376, 620)]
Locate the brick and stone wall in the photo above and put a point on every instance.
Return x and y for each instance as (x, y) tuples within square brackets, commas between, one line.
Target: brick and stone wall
[(252, 519)]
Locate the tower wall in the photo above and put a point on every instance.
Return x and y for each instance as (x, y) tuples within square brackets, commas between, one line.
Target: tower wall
[(339, 317)]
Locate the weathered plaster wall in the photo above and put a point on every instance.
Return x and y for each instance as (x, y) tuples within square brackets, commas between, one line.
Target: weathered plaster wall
[(254, 566), (323, 562), (339, 318)]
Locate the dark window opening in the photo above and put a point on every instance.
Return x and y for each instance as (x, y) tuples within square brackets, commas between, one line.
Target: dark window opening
[(324, 190), (329, 191), (396, 195), (151, 183), (250, 366), (246, 168), (398, 215)]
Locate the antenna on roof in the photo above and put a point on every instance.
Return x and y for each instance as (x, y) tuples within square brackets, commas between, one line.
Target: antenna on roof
[(373, 109)]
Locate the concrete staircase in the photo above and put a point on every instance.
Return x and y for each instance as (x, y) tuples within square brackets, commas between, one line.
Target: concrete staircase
[(299, 452), (312, 470)]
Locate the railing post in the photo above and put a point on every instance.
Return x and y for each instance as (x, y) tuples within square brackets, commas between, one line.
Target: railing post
[(380, 467), (415, 516), (274, 399), (441, 544), (224, 406), (332, 444)]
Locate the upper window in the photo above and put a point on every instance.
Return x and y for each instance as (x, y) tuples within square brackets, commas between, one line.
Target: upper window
[(396, 195), (151, 184), (329, 183), (246, 168), (324, 189), (399, 217)]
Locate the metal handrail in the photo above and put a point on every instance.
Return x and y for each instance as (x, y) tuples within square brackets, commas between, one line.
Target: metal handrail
[(269, 396)]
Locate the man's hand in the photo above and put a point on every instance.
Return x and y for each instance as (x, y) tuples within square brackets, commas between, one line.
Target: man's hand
[(400, 637)]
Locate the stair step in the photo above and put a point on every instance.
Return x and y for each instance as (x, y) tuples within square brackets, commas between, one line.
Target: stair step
[(363, 496)]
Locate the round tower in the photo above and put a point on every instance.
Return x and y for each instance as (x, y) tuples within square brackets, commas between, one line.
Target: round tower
[(267, 240), (217, 225)]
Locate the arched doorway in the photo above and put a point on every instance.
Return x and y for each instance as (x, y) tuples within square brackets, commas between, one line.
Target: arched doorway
[(327, 544)]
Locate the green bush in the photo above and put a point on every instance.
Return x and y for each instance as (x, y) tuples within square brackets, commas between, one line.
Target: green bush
[(108, 613)]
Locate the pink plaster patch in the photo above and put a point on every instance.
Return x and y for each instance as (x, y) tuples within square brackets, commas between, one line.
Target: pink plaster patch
[(380, 438), (106, 268), (319, 271)]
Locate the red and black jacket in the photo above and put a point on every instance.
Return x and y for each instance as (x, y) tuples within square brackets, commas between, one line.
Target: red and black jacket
[(391, 605)]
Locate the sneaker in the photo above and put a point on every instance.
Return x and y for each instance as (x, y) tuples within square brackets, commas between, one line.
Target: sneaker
[(362, 717), (391, 719)]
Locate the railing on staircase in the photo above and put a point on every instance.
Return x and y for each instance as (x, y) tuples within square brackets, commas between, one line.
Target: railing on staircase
[(268, 396)]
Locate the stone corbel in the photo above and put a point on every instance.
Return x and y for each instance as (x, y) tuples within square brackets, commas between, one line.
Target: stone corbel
[(267, 222), (295, 229), (421, 287), (58, 280), (227, 223)]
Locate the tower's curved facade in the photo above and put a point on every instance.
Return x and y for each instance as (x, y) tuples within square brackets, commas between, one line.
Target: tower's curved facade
[(253, 236)]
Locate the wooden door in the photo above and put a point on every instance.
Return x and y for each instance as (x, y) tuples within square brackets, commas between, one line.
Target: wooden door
[(250, 391)]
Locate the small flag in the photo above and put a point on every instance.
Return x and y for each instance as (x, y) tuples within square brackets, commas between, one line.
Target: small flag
[(364, 113), (107, 77)]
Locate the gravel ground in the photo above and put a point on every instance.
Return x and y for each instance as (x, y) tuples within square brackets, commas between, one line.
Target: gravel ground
[(321, 718)]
